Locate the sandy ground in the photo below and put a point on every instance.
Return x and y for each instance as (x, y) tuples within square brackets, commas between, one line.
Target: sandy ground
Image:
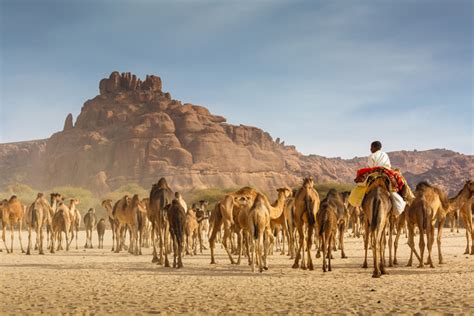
[(97, 281)]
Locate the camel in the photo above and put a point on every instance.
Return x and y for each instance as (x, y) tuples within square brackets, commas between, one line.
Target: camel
[(376, 206), (125, 213), (258, 225), (191, 230), (90, 220), (100, 233), (328, 225), (75, 217), (226, 213), (12, 213), (339, 201), (61, 223), (144, 225), (464, 202), (289, 213), (306, 208), (453, 219), (429, 204), (176, 218), (107, 204), (397, 221), (354, 216), (202, 215), (37, 216), (55, 199), (160, 196)]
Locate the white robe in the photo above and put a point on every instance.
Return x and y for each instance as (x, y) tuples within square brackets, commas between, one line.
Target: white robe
[(379, 159)]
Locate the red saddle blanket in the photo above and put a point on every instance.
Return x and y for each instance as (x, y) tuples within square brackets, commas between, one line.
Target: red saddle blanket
[(395, 176)]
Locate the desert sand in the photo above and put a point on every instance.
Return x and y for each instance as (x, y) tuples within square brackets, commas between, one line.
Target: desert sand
[(97, 281)]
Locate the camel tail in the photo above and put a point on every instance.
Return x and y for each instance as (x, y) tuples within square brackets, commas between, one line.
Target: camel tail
[(375, 214), (255, 231), (309, 211)]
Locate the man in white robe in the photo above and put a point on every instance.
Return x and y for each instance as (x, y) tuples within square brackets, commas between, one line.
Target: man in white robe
[(378, 158)]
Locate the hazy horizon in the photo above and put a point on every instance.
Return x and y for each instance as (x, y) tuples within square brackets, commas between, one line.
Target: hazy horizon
[(326, 76)]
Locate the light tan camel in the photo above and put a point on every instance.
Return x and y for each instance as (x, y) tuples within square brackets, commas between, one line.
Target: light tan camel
[(55, 199), (100, 233), (328, 226), (376, 206), (464, 202), (289, 213), (176, 218), (160, 196), (202, 215), (12, 213), (226, 214), (306, 208), (340, 207), (37, 216), (191, 230), (144, 225), (61, 223), (107, 204), (75, 217), (429, 204), (90, 220), (258, 226), (126, 214)]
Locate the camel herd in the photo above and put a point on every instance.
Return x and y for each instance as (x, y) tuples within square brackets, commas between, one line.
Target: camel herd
[(248, 225)]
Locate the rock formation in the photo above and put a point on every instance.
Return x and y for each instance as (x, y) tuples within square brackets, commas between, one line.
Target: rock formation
[(134, 132)]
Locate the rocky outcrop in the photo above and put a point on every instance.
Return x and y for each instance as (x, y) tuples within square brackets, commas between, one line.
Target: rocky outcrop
[(134, 132), (68, 123)]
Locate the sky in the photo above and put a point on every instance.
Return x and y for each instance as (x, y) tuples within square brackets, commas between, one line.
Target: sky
[(326, 76)]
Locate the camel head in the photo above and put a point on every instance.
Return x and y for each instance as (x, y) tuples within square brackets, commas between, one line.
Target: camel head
[(243, 200), (162, 183), (91, 210), (308, 182), (106, 202), (74, 202), (286, 192)]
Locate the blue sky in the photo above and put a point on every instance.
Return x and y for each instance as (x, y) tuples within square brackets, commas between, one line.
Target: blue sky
[(326, 76)]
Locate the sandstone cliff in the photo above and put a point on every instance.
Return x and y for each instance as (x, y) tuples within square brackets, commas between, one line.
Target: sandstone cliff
[(135, 132)]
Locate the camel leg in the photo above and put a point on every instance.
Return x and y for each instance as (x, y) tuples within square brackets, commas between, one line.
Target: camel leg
[(239, 245), (212, 239), (330, 254), (40, 231), (29, 240), (12, 233), (382, 253), (19, 235), (390, 241), (366, 246), (308, 248), (438, 239), (341, 242), (375, 252), (324, 247), (431, 234), (114, 241), (52, 237), (395, 246), (225, 239), (167, 244), (77, 232), (422, 247), (153, 242), (300, 247)]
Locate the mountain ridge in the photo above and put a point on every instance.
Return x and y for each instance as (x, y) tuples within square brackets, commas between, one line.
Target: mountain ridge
[(133, 131)]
